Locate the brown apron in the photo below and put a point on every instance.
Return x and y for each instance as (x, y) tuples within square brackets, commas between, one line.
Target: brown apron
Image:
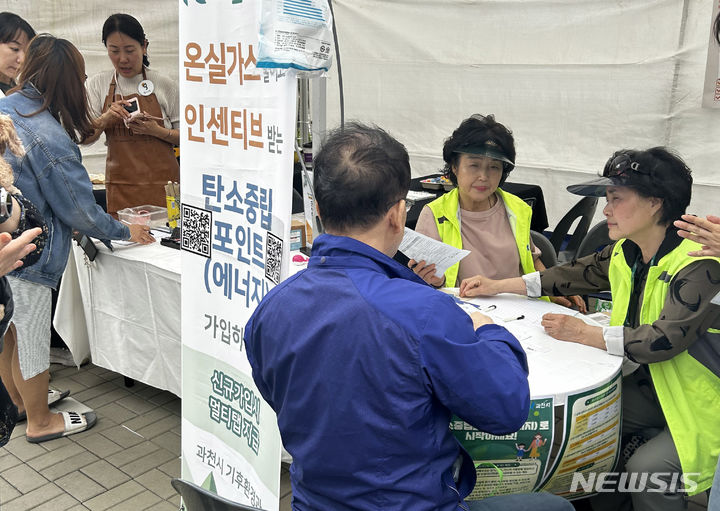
[(138, 166)]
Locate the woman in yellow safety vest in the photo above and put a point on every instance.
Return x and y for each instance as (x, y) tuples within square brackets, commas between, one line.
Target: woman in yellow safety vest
[(665, 320), (477, 215)]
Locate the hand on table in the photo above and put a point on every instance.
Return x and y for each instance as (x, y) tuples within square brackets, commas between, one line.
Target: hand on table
[(478, 286), (568, 328), (426, 272), (141, 234), (479, 319), (705, 231), (570, 302), (13, 250)]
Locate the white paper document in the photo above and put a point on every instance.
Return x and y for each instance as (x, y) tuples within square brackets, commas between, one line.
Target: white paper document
[(507, 308), (416, 195), (423, 248)]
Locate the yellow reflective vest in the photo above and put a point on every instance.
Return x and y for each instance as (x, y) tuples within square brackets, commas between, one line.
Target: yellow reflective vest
[(688, 391), (445, 210)]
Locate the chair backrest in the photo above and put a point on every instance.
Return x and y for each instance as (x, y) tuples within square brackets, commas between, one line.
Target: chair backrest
[(196, 498), (298, 206), (584, 210), (596, 238), (548, 256)]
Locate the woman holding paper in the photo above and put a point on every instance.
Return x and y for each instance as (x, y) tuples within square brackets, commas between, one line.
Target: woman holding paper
[(662, 319), (478, 215), (139, 111)]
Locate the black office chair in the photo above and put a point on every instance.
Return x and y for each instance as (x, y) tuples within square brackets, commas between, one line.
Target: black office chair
[(584, 210), (596, 239), (298, 205), (196, 498), (548, 256)]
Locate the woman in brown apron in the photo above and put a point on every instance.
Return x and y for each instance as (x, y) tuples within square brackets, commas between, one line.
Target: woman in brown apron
[(140, 156)]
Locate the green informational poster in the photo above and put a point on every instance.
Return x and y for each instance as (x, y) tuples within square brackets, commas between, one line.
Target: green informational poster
[(591, 439), (513, 463)]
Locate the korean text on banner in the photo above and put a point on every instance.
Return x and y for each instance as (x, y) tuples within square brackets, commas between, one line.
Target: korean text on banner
[(237, 140)]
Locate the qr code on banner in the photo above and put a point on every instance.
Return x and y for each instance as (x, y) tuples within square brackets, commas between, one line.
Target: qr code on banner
[(196, 230), (273, 257)]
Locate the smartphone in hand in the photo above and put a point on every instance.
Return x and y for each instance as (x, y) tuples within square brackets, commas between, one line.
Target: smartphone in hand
[(133, 106)]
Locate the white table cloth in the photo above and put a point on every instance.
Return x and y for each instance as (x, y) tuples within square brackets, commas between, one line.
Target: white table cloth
[(123, 309)]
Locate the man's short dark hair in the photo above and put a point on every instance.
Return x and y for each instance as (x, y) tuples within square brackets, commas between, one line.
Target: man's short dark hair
[(667, 177), (359, 173), (477, 130)]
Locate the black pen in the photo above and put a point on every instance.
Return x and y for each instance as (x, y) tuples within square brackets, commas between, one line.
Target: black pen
[(522, 316)]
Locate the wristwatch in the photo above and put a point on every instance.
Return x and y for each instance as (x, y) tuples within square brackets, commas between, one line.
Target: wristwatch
[(5, 205)]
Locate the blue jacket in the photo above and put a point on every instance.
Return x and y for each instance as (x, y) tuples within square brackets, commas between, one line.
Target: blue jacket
[(363, 364), (51, 175)]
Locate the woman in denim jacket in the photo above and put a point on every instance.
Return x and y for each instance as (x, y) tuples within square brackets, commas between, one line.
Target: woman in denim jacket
[(50, 112)]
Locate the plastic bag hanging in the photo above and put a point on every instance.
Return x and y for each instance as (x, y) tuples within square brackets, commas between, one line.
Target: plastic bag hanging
[(297, 34)]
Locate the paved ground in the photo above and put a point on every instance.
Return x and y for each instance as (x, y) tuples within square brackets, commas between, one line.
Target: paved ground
[(124, 463)]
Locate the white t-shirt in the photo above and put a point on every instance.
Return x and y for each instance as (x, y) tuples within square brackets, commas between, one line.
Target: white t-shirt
[(165, 90)]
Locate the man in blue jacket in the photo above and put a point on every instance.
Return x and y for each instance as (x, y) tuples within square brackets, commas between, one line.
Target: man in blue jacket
[(364, 363)]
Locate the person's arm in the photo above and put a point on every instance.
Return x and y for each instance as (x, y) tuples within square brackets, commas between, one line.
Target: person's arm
[(97, 89), (569, 301), (12, 251), (145, 126), (168, 96), (588, 274), (67, 189), (251, 340), (426, 225), (568, 328), (480, 374), (484, 286), (705, 231), (687, 310)]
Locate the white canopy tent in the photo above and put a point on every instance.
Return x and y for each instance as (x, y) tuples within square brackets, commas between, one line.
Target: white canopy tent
[(574, 79)]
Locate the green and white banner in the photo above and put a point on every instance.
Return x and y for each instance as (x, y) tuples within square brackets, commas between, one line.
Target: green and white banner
[(513, 463), (236, 153)]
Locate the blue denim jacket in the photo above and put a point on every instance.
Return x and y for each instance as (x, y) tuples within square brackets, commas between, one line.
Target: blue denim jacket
[(51, 175)]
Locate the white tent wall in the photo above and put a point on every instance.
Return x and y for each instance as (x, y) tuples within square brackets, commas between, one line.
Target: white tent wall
[(574, 79), (81, 21)]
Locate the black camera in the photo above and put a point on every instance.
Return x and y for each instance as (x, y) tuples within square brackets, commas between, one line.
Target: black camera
[(5, 205)]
